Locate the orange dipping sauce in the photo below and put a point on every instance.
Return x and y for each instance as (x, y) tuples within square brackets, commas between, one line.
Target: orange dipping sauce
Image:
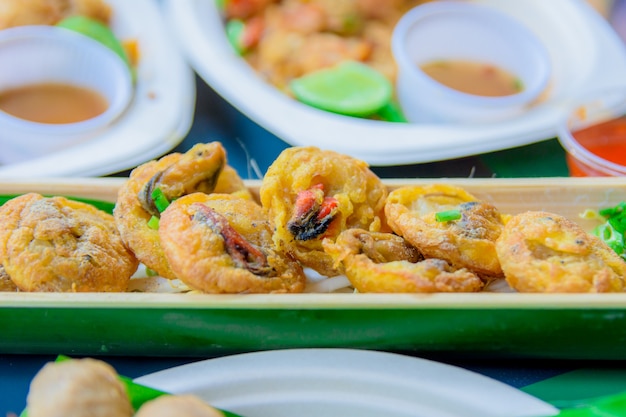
[(53, 103), (605, 140)]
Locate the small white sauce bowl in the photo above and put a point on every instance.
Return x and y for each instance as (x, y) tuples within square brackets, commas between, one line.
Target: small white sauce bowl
[(451, 30), (47, 54)]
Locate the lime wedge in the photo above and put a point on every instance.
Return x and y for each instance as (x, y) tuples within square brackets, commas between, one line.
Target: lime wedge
[(350, 88), (95, 30)]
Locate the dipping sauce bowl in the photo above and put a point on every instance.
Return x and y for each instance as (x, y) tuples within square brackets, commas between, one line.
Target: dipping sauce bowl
[(594, 136), (451, 32), (34, 57)]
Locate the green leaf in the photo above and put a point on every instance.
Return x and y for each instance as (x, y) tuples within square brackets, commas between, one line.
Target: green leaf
[(350, 88), (99, 204)]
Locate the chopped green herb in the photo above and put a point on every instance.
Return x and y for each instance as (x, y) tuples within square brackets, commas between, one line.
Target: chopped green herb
[(613, 229), (448, 215), (153, 223), (160, 200)]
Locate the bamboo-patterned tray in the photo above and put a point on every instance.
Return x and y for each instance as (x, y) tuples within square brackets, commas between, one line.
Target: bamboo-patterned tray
[(585, 326)]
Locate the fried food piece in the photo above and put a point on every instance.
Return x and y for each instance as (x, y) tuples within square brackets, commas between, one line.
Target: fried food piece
[(6, 283), (177, 405), (50, 12), (385, 263), (546, 252), (203, 168), (312, 195), (468, 242), (219, 243), (56, 244), (78, 388)]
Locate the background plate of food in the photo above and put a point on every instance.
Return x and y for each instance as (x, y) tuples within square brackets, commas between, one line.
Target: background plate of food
[(585, 53), (160, 112)]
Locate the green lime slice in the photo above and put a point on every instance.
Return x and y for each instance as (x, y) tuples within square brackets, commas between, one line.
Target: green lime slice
[(96, 30), (350, 88)]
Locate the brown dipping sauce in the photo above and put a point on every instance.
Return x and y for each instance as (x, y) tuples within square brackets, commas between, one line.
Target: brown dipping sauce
[(473, 77), (53, 103)]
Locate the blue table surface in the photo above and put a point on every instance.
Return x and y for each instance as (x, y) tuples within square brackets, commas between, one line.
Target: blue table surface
[(244, 140)]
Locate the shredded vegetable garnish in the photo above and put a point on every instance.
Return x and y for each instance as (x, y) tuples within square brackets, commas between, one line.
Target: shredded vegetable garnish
[(448, 215), (614, 227), (160, 200), (153, 223)]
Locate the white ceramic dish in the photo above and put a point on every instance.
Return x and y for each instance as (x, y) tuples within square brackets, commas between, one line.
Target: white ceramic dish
[(344, 382), (156, 120), (454, 30), (586, 55), (71, 59)]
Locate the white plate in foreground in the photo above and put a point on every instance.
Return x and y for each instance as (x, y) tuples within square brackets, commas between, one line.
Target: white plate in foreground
[(157, 119), (586, 53), (344, 382)]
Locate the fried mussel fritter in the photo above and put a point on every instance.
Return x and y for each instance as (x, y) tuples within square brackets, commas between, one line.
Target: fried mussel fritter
[(386, 263), (467, 242), (546, 252), (312, 195), (220, 243), (56, 244), (203, 168)]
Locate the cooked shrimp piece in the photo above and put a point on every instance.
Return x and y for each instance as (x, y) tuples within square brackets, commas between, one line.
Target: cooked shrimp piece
[(468, 242), (220, 243), (78, 388), (179, 406), (49, 12), (55, 244), (312, 195), (203, 168), (385, 263), (546, 252)]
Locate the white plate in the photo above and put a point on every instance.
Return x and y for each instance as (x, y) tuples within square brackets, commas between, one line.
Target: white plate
[(155, 122), (586, 54), (344, 382)]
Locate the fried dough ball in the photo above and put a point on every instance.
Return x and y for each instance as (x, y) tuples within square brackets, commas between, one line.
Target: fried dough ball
[(78, 388), (385, 263), (50, 12), (203, 168), (179, 406), (468, 242), (220, 243), (546, 252), (56, 244), (314, 194)]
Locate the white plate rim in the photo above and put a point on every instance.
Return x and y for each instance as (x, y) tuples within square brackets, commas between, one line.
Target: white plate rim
[(228, 382), (198, 26), (158, 118)]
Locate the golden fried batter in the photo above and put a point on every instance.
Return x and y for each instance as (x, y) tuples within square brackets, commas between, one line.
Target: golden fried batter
[(314, 194), (78, 388), (546, 252), (56, 244), (220, 243), (6, 284), (50, 12), (179, 406), (385, 263), (467, 242), (203, 168)]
